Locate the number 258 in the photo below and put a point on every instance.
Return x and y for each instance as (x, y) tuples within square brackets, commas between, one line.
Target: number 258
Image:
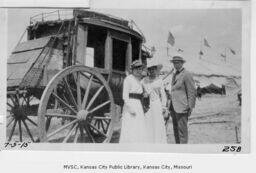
[(232, 149)]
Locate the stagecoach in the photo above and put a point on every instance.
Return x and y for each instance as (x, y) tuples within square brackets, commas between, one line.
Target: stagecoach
[(64, 84)]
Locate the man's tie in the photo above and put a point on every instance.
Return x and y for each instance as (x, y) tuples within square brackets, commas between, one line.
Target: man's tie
[(174, 77)]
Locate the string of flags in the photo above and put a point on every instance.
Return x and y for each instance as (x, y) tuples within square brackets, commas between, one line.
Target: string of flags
[(205, 43)]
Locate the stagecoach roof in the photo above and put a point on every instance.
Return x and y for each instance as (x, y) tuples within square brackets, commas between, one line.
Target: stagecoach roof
[(94, 18)]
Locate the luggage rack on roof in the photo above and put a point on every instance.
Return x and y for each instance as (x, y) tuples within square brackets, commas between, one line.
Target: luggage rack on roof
[(59, 15), (54, 15)]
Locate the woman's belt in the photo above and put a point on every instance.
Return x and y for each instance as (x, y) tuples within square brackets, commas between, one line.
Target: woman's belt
[(144, 100), (135, 96)]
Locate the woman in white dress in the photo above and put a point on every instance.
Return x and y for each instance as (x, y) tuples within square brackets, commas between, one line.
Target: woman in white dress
[(154, 86), (133, 128)]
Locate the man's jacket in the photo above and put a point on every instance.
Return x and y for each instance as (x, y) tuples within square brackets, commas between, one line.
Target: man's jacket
[(183, 91)]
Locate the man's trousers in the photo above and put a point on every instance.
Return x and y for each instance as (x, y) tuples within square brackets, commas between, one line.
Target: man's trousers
[(180, 126)]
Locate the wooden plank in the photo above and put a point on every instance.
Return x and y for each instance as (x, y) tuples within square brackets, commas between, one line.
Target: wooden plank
[(32, 44), (120, 36), (23, 57), (82, 36), (108, 52), (18, 70), (128, 58)]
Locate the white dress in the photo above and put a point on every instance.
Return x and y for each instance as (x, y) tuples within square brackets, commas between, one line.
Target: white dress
[(133, 128), (154, 117)]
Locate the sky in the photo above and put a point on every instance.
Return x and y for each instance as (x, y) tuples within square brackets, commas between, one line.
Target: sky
[(221, 28)]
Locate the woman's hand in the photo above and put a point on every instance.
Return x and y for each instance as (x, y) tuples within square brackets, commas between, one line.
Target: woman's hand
[(145, 94)]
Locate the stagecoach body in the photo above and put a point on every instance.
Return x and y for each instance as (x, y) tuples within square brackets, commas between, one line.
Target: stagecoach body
[(66, 79)]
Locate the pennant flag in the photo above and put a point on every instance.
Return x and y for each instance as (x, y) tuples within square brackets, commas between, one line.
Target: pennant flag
[(201, 53), (180, 50), (232, 51), (206, 43), (171, 39), (222, 55)]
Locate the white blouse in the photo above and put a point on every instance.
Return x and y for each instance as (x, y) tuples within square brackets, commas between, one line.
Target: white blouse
[(131, 85), (155, 88)]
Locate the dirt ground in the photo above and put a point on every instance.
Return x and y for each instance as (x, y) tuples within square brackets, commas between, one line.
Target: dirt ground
[(216, 119)]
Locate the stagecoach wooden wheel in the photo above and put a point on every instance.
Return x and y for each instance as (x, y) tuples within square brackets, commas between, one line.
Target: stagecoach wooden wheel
[(20, 115), (76, 106)]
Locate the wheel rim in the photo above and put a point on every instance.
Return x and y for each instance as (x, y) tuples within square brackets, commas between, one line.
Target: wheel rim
[(20, 115), (80, 106)]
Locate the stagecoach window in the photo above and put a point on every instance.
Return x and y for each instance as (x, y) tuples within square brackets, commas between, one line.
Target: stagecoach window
[(119, 55), (96, 41)]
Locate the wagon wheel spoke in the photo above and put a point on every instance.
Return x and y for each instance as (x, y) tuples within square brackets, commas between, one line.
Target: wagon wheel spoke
[(60, 115), (82, 134), (106, 123), (31, 121), (78, 88), (17, 98), (13, 128), (13, 100), (85, 87), (89, 134), (10, 121), (10, 105), (95, 128), (76, 135), (98, 123), (99, 106), (67, 86), (102, 126), (28, 131), (20, 130), (9, 116), (48, 122), (64, 103), (62, 128), (94, 80), (23, 100), (101, 118), (69, 133), (87, 92), (94, 97)]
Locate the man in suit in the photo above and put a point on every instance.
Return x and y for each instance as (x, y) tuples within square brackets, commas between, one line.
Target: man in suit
[(183, 97)]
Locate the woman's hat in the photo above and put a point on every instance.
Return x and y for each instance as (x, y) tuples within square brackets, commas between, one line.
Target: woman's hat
[(152, 63), (136, 64), (177, 57)]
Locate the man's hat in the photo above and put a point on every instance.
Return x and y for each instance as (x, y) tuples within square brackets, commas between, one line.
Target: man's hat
[(152, 63), (177, 57), (136, 64)]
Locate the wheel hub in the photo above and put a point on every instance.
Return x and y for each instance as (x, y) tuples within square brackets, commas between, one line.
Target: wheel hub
[(82, 115), (18, 112)]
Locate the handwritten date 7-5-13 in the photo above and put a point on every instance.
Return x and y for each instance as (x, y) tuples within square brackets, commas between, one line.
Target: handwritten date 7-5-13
[(17, 144)]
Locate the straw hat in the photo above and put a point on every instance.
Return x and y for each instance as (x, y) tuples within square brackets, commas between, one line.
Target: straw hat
[(151, 62), (177, 57), (136, 64)]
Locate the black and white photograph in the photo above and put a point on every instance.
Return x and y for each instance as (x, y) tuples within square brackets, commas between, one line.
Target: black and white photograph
[(121, 77), (127, 86)]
